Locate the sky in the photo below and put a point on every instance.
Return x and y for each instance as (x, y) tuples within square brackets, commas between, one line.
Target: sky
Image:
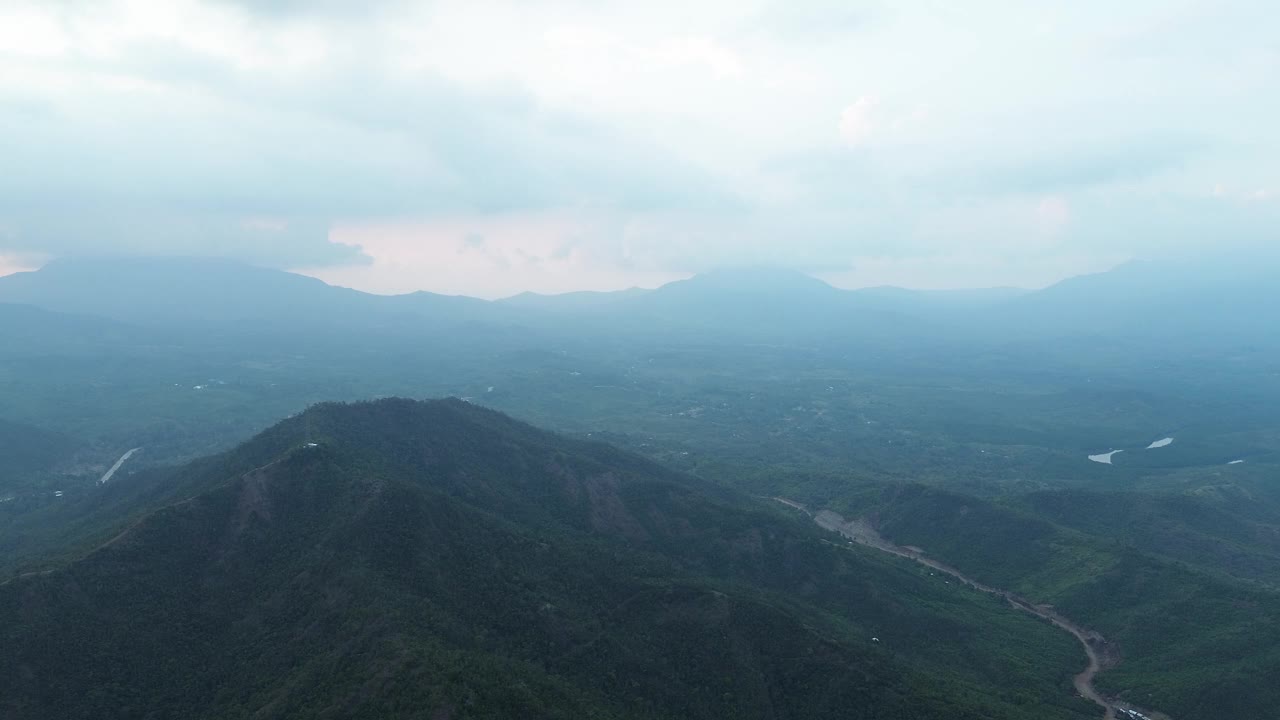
[(488, 147)]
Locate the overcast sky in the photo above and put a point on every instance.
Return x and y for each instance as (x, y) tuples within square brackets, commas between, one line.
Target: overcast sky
[(488, 147)]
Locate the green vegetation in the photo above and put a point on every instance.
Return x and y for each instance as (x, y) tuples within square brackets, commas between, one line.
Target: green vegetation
[(32, 456), (1194, 644), (439, 558), (957, 422)]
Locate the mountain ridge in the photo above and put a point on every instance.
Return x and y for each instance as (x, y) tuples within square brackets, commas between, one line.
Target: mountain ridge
[(1147, 296), (339, 579)]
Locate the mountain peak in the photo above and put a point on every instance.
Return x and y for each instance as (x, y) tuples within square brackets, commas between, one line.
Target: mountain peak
[(427, 556), (758, 278)]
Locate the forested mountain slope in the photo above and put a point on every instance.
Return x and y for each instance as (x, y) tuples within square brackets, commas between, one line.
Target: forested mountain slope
[(1194, 641), (440, 560), (29, 453)]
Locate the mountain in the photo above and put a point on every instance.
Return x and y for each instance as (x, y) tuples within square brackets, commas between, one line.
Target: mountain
[(749, 305), (199, 300), (28, 453), (201, 295), (1143, 299), (753, 290), (769, 382), (1155, 579), (1201, 299), (584, 300), (928, 302), (760, 367), (1229, 531), (30, 330), (754, 295), (399, 559)]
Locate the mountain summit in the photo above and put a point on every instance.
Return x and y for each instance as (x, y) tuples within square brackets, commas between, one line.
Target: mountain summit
[(756, 280), (401, 559)]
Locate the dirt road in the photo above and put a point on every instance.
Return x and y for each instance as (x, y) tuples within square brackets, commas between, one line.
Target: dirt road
[(1101, 654), (103, 480)]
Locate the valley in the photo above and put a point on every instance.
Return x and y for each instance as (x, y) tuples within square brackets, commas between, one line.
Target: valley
[(603, 560), (965, 443), (1100, 654), (777, 360)]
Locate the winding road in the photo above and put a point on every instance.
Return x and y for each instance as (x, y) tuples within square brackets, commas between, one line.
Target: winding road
[(1101, 654)]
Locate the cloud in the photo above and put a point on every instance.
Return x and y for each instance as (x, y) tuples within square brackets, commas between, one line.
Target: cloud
[(1074, 164), (1052, 214), (662, 138), (292, 9), (540, 251), (271, 242), (858, 121), (159, 145), (829, 20), (14, 263)]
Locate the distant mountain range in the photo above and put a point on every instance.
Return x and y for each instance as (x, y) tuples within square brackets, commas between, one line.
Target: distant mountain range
[(401, 559), (31, 329), (219, 295), (1143, 299), (1154, 298), (99, 348)]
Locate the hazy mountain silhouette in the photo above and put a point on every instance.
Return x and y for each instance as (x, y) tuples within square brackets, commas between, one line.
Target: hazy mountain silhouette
[(1219, 298), (584, 300), (1222, 298), (222, 294), (32, 330)]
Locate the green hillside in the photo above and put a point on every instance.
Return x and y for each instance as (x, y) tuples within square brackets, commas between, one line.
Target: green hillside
[(30, 455), (439, 560), (1195, 643)]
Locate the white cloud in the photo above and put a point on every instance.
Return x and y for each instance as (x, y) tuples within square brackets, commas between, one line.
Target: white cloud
[(26, 31), (858, 121), (667, 137), (1052, 214)]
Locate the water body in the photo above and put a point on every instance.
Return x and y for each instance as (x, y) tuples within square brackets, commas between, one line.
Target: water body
[(1160, 443), (1104, 458)]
